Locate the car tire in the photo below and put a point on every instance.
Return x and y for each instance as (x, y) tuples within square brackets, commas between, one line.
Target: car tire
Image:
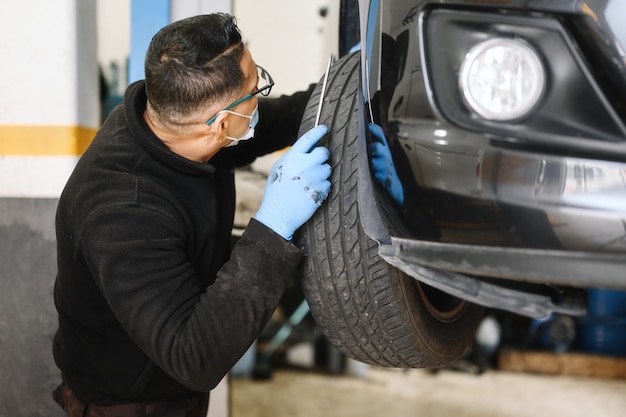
[(369, 310)]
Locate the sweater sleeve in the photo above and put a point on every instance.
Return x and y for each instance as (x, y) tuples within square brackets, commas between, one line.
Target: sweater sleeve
[(193, 332)]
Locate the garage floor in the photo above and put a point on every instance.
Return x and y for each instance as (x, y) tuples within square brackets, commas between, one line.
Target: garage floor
[(385, 392)]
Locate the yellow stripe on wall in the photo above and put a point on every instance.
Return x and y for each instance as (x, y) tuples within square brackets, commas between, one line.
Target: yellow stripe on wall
[(45, 140)]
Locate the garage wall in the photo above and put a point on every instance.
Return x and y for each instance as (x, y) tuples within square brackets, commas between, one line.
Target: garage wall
[(291, 43)]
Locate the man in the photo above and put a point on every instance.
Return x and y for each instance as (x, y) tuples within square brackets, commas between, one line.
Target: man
[(153, 308)]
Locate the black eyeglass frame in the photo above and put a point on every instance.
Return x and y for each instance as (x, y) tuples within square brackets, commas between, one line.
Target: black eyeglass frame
[(264, 91)]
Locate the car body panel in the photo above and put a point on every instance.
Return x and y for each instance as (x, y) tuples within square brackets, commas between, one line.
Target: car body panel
[(542, 199)]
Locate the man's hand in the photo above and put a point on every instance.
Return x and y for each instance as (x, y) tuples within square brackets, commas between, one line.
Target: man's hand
[(297, 185)]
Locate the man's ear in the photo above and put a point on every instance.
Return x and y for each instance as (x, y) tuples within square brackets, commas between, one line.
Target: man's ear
[(220, 125)]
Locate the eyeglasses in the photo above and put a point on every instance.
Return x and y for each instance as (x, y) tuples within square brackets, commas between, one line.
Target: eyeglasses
[(264, 77)]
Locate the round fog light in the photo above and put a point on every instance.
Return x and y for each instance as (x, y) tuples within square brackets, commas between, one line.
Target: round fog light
[(501, 79)]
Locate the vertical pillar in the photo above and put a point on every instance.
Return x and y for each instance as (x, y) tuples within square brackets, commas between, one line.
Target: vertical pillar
[(146, 18), (49, 113), (49, 108)]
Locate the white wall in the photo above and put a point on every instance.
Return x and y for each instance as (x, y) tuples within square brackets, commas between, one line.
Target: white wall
[(49, 104), (292, 42), (114, 41), (290, 39), (43, 63)]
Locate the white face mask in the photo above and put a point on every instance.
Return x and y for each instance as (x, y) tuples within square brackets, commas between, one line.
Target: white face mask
[(248, 134)]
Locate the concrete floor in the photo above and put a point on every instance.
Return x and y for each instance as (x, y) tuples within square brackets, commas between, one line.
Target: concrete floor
[(385, 392)]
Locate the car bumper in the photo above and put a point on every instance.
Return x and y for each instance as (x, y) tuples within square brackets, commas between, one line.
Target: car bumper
[(542, 201)]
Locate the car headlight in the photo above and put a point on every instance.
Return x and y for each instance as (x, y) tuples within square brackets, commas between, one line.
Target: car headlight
[(517, 79), (502, 79)]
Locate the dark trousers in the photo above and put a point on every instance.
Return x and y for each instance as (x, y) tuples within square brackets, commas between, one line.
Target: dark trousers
[(185, 407)]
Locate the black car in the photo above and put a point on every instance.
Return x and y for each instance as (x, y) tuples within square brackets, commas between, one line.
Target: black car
[(479, 161)]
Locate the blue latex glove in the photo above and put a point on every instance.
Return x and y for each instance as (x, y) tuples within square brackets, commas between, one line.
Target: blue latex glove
[(296, 185), (355, 48), (382, 165)]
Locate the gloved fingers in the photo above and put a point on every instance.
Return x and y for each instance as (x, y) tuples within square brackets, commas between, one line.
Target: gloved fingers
[(377, 131), (316, 182), (378, 150), (380, 164), (324, 189), (298, 163), (319, 154), (318, 172), (299, 167), (309, 139), (325, 186), (383, 177), (320, 192)]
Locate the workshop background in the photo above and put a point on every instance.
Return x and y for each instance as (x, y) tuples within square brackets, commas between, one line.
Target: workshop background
[(66, 64)]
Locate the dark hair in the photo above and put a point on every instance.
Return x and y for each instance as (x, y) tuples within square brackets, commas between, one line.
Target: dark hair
[(191, 63)]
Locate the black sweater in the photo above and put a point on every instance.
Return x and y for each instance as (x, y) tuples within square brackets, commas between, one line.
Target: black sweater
[(149, 304)]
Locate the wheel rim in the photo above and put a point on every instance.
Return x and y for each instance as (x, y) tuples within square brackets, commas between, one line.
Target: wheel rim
[(441, 306)]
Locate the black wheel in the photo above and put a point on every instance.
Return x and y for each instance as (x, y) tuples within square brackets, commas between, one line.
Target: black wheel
[(369, 310)]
